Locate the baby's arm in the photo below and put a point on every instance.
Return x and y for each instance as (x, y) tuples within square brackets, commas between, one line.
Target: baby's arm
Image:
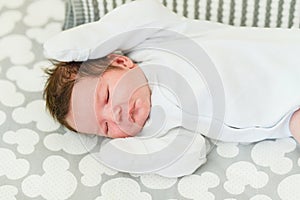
[(190, 161), (121, 29), (178, 153), (295, 125)]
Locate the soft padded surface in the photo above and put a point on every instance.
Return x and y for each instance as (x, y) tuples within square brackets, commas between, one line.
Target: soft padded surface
[(41, 160)]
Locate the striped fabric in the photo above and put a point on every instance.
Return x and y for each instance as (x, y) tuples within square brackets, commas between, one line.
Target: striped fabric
[(260, 13)]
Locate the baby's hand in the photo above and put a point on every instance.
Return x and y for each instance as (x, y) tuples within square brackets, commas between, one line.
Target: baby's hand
[(295, 125)]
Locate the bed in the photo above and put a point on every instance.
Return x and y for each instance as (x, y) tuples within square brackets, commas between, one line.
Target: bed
[(39, 159)]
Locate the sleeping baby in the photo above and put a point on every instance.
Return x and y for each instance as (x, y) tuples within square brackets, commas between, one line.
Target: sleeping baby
[(156, 85)]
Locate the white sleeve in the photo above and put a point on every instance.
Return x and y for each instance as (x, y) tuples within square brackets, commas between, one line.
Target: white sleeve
[(126, 25), (152, 156), (189, 162)]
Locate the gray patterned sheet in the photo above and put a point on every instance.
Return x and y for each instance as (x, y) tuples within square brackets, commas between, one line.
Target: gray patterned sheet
[(41, 160)]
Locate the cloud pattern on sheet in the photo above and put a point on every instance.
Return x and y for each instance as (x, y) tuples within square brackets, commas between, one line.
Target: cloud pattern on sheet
[(260, 197), (12, 167), (56, 183), (155, 181), (51, 9), (288, 188), (35, 112), (11, 3), (8, 192), (242, 174), (227, 150), (2, 117), (25, 139), (17, 48), (272, 154), (70, 142), (42, 34), (197, 187), (93, 170), (42, 161), (8, 21), (29, 79), (9, 95), (122, 188)]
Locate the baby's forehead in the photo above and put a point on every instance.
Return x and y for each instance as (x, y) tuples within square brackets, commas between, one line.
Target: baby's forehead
[(84, 88), (82, 104)]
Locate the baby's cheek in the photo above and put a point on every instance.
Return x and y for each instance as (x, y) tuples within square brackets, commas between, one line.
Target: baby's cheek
[(116, 132)]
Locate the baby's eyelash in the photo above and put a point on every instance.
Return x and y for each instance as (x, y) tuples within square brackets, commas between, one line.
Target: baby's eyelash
[(107, 98), (106, 128)]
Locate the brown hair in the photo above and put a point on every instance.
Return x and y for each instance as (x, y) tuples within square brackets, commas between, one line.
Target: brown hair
[(61, 80)]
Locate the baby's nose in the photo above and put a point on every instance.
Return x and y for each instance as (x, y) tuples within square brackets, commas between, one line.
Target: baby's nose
[(117, 114)]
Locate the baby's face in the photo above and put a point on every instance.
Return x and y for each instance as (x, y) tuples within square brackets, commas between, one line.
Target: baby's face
[(116, 104)]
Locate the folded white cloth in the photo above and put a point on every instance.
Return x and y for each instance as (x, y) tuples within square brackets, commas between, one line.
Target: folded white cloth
[(258, 69)]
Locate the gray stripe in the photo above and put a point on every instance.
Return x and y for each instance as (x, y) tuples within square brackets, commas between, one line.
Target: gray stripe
[(220, 11), (208, 9), (78, 13), (185, 12), (96, 10), (123, 1), (255, 13), (197, 9), (175, 6), (231, 15), (114, 4), (69, 19), (291, 13), (244, 12), (279, 13), (268, 13), (165, 2), (105, 7), (88, 11)]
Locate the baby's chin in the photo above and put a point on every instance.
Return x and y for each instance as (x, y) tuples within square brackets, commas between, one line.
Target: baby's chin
[(127, 130)]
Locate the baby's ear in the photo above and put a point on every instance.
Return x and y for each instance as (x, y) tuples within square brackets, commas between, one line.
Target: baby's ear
[(112, 55), (121, 61)]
